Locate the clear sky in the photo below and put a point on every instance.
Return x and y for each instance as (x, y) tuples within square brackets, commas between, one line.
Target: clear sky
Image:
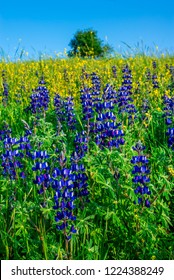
[(48, 26)]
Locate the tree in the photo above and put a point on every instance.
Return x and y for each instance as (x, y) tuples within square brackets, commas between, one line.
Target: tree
[(86, 43)]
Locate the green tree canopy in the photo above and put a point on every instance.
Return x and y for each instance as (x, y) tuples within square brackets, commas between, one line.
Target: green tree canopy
[(87, 43)]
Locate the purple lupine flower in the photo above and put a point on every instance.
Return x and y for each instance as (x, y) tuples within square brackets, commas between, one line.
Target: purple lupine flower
[(114, 71), (88, 101), (81, 141), (5, 93), (170, 134), (63, 184), (154, 64), (39, 100), (139, 147), (139, 159), (123, 96), (140, 171), (59, 109), (96, 87), (80, 182), (11, 158), (42, 168), (169, 119), (107, 133), (105, 126), (155, 81), (69, 112), (148, 74)]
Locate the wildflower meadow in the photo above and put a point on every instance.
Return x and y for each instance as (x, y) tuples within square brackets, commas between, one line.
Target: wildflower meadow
[(86, 159)]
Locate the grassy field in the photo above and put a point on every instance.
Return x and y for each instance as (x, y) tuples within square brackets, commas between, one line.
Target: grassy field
[(86, 159)]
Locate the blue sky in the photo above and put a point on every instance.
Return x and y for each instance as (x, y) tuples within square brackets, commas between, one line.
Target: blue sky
[(48, 26)]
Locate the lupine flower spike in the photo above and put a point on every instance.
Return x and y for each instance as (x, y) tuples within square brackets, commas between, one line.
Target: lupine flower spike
[(140, 172)]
